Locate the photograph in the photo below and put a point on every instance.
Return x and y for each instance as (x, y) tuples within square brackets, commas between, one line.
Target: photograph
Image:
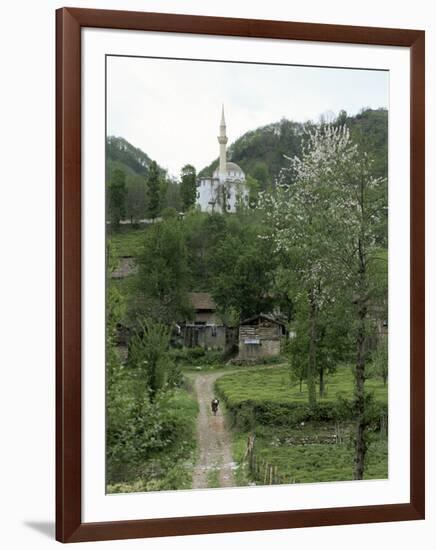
[(224, 275), (246, 274)]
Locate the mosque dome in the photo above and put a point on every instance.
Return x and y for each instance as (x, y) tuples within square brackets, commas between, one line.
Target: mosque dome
[(233, 172)]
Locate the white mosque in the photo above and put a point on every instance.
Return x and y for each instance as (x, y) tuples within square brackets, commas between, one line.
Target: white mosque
[(226, 188)]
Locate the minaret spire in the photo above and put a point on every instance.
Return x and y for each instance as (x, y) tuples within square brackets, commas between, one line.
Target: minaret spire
[(223, 120), (222, 140)]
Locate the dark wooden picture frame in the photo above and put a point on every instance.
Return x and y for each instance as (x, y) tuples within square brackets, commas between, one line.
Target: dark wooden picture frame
[(69, 526)]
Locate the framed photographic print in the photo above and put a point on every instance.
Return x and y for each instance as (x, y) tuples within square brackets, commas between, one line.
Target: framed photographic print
[(240, 274)]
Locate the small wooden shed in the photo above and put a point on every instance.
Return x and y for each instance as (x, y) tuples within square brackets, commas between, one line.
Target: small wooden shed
[(260, 337)]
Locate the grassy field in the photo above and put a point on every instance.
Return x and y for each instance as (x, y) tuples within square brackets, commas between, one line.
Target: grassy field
[(274, 384), (302, 452), (127, 286), (128, 241), (312, 462)]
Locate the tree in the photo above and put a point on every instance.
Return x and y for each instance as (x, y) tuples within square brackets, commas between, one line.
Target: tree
[(172, 196), (153, 191), (359, 212), (341, 119), (163, 277), (202, 233), (326, 215), (148, 356), (117, 384), (115, 309), (117, 197), (188, 186), (297, 215), (135, 199), (369, 129), (380, 360), (253, 191), (168, 213), (356, 211), (242, 268), (332, 344), (261, 174)]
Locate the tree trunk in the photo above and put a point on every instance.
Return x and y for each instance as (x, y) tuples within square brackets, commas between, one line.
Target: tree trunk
[(321, 381), (359, 381), (152, 380), (360, 444), (311, 368)]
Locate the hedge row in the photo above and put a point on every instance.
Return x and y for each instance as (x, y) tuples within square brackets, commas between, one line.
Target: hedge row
[(245, 415)]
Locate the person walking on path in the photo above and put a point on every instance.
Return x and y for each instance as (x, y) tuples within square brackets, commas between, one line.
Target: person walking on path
[(214, 405)]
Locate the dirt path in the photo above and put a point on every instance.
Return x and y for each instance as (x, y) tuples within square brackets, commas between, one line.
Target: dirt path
[(214, 441)]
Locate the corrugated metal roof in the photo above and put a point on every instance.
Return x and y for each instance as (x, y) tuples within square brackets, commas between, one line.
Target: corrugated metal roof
[(262, 316)]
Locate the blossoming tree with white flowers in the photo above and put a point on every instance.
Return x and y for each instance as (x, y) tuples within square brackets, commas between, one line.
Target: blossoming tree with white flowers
[(325, 221)]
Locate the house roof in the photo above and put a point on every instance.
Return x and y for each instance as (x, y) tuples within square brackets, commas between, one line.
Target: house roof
[(202, 301), (262, 316)]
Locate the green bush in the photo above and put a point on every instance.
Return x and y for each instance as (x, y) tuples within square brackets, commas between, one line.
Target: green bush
[(274, 360), (149, 440), (267, 397), (196, 356), (247, 414)]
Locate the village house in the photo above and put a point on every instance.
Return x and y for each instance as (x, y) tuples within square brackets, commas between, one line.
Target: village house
[(260, 337), (207, 329)]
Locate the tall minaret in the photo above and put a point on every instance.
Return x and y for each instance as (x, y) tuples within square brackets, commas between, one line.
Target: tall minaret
[(222, 140)]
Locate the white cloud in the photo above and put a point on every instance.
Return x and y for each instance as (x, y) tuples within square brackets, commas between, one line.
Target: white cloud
[(171, 108)]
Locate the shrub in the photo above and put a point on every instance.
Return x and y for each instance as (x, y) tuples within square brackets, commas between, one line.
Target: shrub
[(196, 356), (149, 440), (274, 360), (246, 414), (269, 397)]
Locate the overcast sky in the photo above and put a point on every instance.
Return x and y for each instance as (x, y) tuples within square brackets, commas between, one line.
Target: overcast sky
[(171, 108)]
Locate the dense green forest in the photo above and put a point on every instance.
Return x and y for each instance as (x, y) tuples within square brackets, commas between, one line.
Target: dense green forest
[(146, 185)]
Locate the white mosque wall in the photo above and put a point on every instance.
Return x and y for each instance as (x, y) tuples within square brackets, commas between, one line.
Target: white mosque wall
[(208, 197), (206, 194)]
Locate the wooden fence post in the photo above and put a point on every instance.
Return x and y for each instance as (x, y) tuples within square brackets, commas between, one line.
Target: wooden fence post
[(260, 469)]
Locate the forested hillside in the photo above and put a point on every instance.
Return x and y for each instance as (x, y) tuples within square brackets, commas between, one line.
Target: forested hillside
[(121, 154), (261, 152), (134, 169)]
